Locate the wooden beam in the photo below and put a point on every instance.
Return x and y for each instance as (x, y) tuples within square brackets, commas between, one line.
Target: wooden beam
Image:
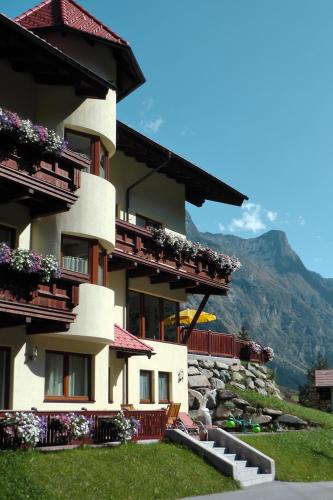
[(195, 319), (164, 278), (184, 283)]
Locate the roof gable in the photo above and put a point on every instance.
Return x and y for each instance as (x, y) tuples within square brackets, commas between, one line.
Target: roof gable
[(126, 342), (51, 13)]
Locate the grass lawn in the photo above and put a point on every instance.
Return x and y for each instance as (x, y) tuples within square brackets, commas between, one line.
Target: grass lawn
[(156, 471), (299, 456), (325, 420)]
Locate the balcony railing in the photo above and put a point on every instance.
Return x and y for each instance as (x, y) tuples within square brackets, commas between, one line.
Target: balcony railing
[(137, 252), (220, 344), (152, 426), (46, 185), (42, 307)]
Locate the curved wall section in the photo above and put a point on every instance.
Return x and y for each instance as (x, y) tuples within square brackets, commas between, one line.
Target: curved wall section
[(95, 317), (92, 216), (98, 117)]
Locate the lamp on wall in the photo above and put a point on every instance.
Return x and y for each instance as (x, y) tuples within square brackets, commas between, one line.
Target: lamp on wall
[(32, 353), (180, 375)]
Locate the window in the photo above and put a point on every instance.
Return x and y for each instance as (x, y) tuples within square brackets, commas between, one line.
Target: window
[(152, 317), (4, 377), (146, 386), (92, 147), (7, 235), (163, 387), (143, 221), (67, 376), (85, 257)]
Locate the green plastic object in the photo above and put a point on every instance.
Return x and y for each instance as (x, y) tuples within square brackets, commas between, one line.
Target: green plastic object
[(256, 428), (231, 424)]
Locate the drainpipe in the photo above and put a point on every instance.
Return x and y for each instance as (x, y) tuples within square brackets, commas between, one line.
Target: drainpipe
[(142, 179)]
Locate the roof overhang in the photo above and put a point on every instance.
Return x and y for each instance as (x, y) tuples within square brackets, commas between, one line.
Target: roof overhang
[(199, 185), (127, 344), (324, 378), (129, 74), (27, 52)]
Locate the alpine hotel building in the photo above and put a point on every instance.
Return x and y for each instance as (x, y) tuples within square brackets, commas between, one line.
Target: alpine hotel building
[(100, 334)]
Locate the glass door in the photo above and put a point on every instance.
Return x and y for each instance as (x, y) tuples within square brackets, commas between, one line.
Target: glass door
[(4, 369)]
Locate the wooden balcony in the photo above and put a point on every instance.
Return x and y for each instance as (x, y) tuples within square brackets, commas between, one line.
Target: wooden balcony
[(152, 426), (220, 344), (45, 185), (41, 307), (137, 252)]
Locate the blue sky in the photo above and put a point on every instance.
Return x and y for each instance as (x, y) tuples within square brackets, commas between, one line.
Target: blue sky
[(243, 89)]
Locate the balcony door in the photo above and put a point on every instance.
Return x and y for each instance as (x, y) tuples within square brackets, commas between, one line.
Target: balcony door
[(4, 377)]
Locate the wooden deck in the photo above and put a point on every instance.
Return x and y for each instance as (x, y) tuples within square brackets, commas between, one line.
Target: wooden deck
[(137, 252), (42, 307), (46, 185)]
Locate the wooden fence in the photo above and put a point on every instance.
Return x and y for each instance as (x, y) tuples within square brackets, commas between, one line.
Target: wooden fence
[(152, 425), (220, 344)]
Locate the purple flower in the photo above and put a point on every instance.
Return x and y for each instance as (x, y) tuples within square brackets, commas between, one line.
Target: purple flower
[(41, 132), (35, 262), (5, 253)]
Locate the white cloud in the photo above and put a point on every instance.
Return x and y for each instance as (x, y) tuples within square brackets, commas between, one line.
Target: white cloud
[(251, 219), (301, 220), (153, 125), (148, 103), (186, 131), (271, 215), (222, 227)]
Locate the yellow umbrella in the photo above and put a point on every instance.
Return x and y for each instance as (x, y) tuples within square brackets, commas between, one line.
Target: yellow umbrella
[(186, 316)]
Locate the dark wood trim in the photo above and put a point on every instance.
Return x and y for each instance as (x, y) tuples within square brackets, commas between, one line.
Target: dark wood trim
[(147, 221), (95, 149), (151, 399), (66, 397), (168, 375), (12, 232), (7, 351)]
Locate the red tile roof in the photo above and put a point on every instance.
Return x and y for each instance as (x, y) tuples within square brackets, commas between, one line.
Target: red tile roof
[(324, 378), (51, 13), (125, 341)]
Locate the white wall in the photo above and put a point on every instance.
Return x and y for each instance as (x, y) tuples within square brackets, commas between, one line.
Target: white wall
[(158, 197)]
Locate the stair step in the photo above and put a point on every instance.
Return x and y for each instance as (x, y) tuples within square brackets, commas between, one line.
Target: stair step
[(219, 450), (248, 473), (258, 479), (208, 444), (230, 456), (241, 463)]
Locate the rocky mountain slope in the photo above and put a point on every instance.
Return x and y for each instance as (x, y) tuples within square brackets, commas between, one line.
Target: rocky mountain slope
[(283, 304)]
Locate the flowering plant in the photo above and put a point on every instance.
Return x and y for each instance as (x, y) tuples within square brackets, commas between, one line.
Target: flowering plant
[(26, 133), (126, 428), (26, 261), (179, 247), (268, 353), (255, 348), (25, 428), (72, 426)]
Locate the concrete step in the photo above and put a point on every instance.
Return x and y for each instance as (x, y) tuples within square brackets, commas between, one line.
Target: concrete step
[(248, 473), (258, 479), (208, 444), (230, 456), (240, 463), (219, 450)]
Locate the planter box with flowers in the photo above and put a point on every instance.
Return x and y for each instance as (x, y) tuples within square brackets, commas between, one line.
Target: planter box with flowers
[(35, 157), (119, 428), (31, 285), (253, 349), (72, 428)]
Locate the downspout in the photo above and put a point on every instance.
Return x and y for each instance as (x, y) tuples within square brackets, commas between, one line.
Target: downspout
[(139, 181)]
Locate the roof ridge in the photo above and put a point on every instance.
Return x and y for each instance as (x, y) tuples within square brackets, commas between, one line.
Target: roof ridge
[(64, 6), (30, 11)]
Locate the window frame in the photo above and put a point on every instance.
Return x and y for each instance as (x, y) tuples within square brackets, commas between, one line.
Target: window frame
[(7, 351), (147, 221), (142, 322), (163, 401), (151, 391), (65, 397), (12, 231), (95, 149), (94, 249)]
